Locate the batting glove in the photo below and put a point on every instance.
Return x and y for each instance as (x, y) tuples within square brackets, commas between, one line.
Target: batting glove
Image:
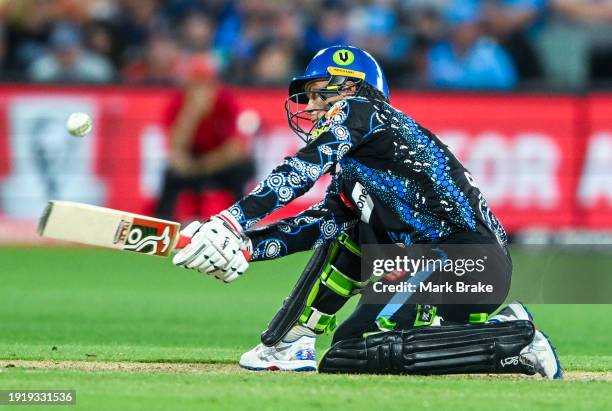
[(217, 248)]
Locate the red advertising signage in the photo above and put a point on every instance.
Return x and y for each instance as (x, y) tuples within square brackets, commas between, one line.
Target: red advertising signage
[(594, 191), (521, 149), (541, 161)]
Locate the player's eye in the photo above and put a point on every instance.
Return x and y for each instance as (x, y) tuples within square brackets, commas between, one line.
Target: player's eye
[(313, 95)]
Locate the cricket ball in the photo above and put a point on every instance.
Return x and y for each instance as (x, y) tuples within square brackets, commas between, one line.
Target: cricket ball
[(79, 124)]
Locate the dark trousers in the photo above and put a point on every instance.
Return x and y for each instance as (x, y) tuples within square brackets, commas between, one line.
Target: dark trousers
[(232, 179), (363, 319)]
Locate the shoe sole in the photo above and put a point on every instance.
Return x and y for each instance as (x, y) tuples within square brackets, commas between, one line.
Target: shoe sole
[(302, 366)]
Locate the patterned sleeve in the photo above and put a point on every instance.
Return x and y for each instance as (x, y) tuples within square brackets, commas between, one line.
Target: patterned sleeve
[(296, 175), (310, 229)]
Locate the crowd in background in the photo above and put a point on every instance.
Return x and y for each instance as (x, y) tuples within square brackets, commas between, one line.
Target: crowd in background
[(453, 44)]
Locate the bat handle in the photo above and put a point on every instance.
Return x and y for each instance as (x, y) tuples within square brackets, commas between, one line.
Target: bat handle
[(183, 242)]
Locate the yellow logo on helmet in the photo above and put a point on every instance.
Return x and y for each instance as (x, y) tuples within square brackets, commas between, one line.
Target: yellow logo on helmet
[(339, 71), (343, 57)]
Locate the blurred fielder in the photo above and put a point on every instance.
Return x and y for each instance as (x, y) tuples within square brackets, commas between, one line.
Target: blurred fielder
[(394, 182)]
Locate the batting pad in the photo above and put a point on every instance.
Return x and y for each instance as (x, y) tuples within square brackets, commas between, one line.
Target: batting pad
[(454, 349)]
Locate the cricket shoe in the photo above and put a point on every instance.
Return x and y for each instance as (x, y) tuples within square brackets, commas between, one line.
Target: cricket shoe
[(513, 312), (541, 356), (298, 355)]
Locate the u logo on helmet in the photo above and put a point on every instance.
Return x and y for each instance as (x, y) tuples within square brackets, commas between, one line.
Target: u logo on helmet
[(343, 57)]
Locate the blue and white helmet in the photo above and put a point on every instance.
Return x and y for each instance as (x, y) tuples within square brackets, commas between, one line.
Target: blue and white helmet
[(338, 65), (347, 61)]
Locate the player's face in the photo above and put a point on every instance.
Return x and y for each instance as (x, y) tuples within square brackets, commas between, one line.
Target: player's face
[(317, 106), (320, 97)]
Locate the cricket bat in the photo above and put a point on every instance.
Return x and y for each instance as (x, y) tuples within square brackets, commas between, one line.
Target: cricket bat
[(105, 227)]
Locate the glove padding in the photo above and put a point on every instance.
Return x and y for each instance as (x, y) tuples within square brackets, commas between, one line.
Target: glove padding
[(217, 248)]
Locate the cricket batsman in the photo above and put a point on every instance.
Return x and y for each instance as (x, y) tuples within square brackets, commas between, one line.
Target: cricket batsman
[(393, 182)]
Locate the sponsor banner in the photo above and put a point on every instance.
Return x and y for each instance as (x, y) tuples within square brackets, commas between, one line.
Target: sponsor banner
[(594, 194), (542, 162)]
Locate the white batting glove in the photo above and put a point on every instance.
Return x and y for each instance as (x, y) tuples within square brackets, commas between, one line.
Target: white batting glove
[(217, 248)]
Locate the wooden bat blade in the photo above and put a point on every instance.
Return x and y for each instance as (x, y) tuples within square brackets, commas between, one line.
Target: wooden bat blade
[(105, 227)]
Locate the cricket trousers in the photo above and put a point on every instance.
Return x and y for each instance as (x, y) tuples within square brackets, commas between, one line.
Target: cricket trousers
[(369, 317)]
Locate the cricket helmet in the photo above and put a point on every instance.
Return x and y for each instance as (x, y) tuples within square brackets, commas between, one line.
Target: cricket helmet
[(340, 61), (338, 65)]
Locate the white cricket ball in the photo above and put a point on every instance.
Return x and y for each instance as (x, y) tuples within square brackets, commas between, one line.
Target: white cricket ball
[(79, 124)]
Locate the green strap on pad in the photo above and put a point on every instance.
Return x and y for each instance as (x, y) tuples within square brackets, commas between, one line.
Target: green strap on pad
[(333, 278), (318, 321), (349, 244), (425, 315), (478, 318), (339, 283), (385, 324), (336, 281)]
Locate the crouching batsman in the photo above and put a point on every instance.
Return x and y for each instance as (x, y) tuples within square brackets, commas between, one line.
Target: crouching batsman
[(393, 182)]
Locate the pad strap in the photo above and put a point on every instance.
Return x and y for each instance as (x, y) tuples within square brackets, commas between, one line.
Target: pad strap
[(339, 283), (478, 318), (425, 315), (333, 278), (318, 321), (385, 324), (349, 244)]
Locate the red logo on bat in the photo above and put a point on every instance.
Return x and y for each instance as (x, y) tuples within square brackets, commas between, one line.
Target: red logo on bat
[(150, 237)]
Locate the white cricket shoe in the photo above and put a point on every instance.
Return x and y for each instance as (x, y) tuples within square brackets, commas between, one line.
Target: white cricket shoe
[(513, 312), (298, 355), (541, 355)]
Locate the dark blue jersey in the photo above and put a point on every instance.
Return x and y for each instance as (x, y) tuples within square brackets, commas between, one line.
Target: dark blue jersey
[(389, 172)]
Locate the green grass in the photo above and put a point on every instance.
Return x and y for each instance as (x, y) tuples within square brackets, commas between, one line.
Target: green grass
[(274, 391), (97, 305)]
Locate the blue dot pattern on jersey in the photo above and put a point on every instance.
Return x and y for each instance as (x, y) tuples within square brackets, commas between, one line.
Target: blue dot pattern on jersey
[(403, 195), (434, 163)]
